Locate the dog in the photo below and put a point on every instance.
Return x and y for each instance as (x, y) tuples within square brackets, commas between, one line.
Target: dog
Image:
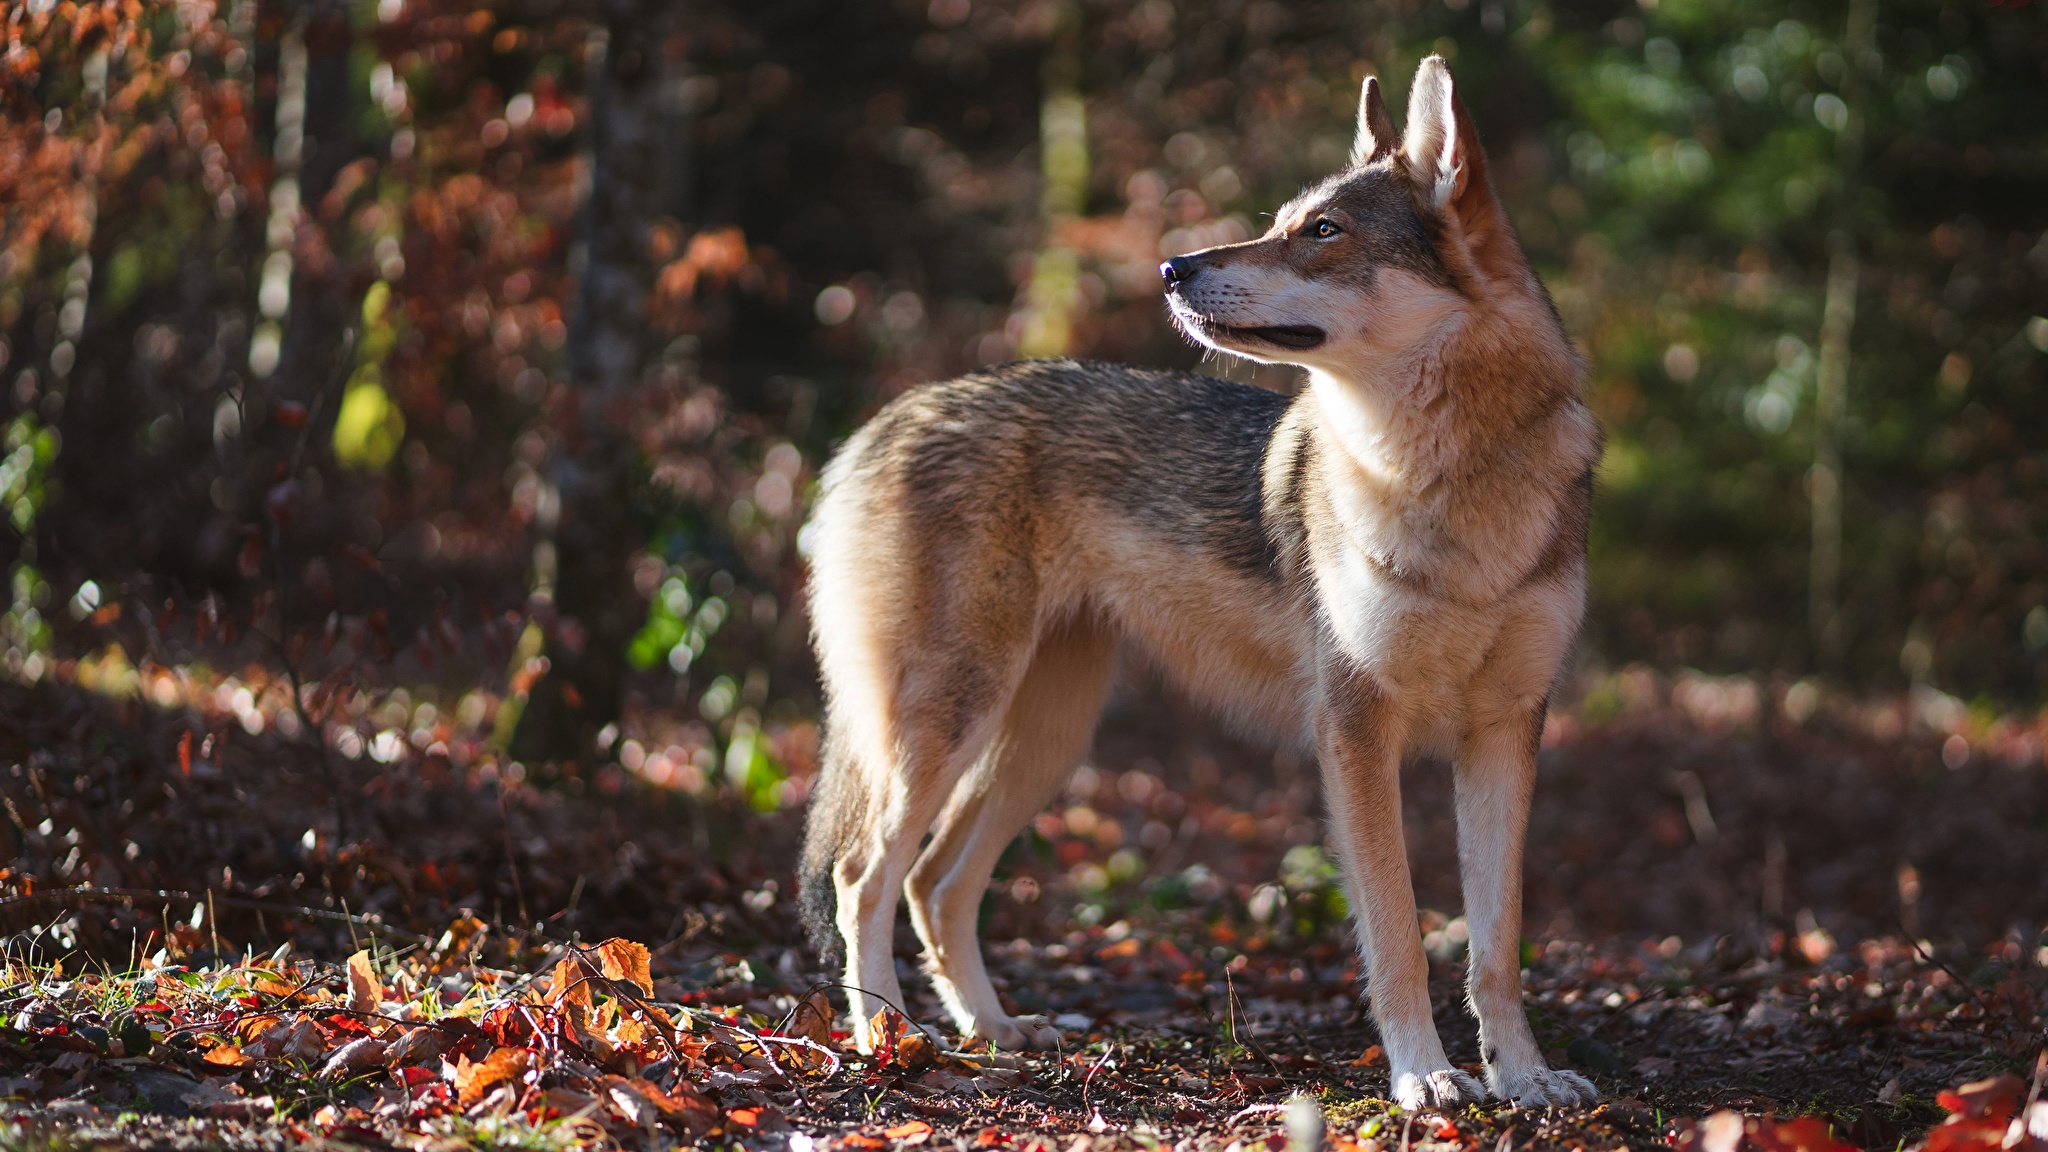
[(1389, 564)]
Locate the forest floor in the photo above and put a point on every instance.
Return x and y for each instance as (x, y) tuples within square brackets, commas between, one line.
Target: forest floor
[(1741, 900)]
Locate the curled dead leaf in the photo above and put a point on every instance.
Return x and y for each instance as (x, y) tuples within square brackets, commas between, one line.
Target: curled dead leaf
[(417, 1046), (364, 991), (355, 1056), (812, 1019)]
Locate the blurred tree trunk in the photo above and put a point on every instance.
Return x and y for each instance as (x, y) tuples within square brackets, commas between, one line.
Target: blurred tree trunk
[(324, 122), (1831, 384), (584, 598)]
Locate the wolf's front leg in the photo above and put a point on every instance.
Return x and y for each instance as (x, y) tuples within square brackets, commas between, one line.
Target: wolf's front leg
[(1359, 735), (1496, 773)]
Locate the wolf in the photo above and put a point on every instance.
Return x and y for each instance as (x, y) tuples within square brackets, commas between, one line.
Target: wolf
[(1390, 563)]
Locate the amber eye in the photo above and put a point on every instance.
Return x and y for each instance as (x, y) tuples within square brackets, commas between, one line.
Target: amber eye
[(1323, 230)]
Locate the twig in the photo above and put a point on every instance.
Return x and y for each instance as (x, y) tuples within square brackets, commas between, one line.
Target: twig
[(1088, 1081), (95, 892), (1965, 985), (1250, 1041)]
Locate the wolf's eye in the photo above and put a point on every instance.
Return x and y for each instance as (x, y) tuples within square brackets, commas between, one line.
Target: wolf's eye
[(1323, 230)]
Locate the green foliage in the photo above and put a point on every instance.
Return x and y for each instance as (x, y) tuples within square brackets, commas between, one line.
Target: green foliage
[(1712, 148), (369, 427)]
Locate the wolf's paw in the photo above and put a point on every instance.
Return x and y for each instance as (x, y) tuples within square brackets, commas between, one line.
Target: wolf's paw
[(1443, 1088), (1542, 1087), (1019, 1033)]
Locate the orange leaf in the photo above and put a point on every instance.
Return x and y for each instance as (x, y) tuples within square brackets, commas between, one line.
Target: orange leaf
[(228, 1056), (570, 982), (1371, 1058), (1808, 1134), (1121, 950), (625, 961), (505, 1064), (364, 992), (910, 1132)]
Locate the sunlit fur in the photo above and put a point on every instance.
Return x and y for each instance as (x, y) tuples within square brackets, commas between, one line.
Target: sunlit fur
[(1388, 565)]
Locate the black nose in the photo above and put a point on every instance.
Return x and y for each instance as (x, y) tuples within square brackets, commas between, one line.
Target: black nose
[(1178, 270)]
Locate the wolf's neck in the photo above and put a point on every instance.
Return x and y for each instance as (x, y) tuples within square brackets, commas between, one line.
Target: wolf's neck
[(1395, 422)]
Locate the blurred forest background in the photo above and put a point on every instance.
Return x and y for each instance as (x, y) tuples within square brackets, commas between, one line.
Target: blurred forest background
[(447, 380)]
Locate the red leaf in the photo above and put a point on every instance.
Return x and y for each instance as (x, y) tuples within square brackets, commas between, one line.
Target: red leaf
[(1992, 1099)]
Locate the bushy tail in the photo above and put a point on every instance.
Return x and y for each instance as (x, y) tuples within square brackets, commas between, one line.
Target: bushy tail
[(836, 807)]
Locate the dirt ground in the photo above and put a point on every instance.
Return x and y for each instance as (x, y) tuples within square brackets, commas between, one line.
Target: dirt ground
[(1738, 897)]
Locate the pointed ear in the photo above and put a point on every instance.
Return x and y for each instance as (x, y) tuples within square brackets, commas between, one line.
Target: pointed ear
[(1377, 137), (1442, 149)]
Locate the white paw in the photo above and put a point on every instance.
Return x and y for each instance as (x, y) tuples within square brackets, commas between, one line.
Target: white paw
[(1542, 1087), (1443, 1088), (1019, 1033)]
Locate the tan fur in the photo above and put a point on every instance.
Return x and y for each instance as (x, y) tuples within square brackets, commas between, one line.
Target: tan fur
[(1399, 572)]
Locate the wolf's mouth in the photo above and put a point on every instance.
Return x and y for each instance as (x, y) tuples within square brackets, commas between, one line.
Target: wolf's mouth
[(1298, 337)]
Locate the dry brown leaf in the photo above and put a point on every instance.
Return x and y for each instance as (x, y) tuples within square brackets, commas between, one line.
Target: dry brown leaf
[(570, 1102), (299, 1038), (270, 985), (625, 961), (250, 1027), (571, 982), (628, 1101), (364, 992), (355, 1056), (915, 1049), (228, 1056), (502, 1065), (813, 1019)]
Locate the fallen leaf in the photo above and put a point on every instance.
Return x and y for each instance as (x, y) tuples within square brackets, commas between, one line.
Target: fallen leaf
[(625, 961), (505, 1064), (813, 1019), (571, 982), (228, 1056), (416, 1047), (1992, 1099), (364, 992), (910, 1132), (355, 1056), (570, 1102)]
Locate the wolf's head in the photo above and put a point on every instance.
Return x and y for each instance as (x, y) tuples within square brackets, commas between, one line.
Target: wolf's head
[(1371, 262)]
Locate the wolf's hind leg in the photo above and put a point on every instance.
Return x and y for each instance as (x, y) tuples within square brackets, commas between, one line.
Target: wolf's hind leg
[(904, 793), (1044, 732)]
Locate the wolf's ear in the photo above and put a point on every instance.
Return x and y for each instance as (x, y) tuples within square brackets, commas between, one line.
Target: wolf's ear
[(1377, 137), (1442, 148)]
